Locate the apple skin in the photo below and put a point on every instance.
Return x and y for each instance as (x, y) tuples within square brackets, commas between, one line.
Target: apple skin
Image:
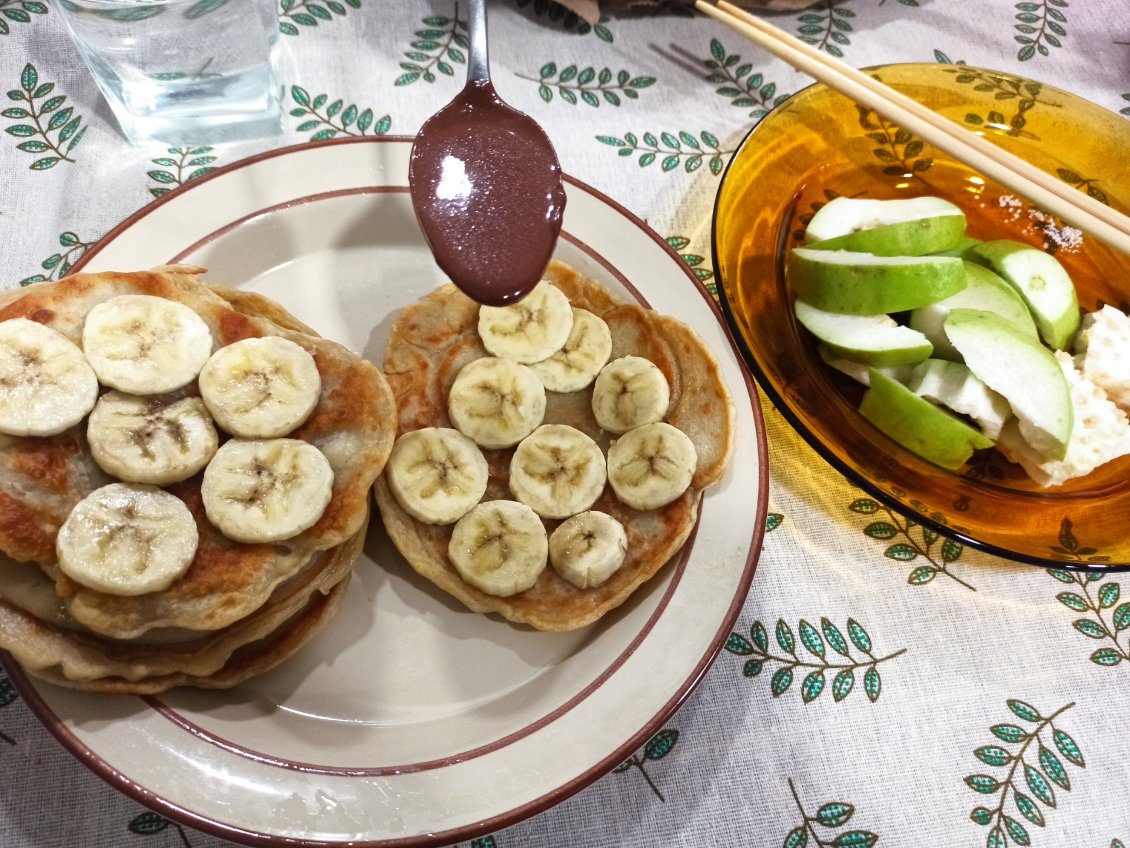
[(983, 290), (964, 250), (853, 283), (905, 238), (1022, 370), (919, 425), (1042, 282), (868, 339)]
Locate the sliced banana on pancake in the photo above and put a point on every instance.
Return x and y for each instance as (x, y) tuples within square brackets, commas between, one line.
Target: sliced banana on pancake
[(157, 439), (145, 345), (266, 490), (588, 548), (629, 392), (436, 474), (580, 359), (499, 547), (531, 329), (496, 402), (46, 384), (127, 539), (651, 465), (260, 388), (557, 471)]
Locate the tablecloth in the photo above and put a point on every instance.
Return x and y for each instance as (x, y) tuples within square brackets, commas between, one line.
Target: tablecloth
[(881, 684)]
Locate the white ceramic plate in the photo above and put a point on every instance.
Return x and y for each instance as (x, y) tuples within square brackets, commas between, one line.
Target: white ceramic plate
[(409, 720)]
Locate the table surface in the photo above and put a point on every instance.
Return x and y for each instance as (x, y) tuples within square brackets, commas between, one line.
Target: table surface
[(966, 645)]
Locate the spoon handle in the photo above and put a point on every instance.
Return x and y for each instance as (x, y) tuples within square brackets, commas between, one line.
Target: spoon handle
[(478, 63)]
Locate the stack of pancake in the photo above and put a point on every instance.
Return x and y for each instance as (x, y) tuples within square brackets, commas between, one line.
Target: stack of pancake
[(240, 608)]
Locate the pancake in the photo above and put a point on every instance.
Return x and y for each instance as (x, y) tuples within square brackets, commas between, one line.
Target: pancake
[(433, 339), (246, 662), (41, 479), (45, 638)]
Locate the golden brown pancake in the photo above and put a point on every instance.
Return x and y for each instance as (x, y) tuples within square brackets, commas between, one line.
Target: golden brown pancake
[(43, 637), (42, 478), (245, 662), (433, 339)]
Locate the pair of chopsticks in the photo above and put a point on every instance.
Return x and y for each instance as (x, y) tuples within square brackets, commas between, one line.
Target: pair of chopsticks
[(1010, 171)]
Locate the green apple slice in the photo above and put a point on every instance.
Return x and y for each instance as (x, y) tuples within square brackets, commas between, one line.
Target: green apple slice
[(983, 290), (1042, 282), (955, 387), (1020, 368), (1101, 433), (862, 284), (919, 425), (869, 339), (861, 372), (910, 227), (963, 249)]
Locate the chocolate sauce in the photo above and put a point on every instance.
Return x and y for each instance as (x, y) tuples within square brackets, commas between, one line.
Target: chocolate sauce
[(486, 186)]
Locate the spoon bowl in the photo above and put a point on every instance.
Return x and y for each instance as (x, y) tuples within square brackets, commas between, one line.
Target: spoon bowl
[(486, 186)]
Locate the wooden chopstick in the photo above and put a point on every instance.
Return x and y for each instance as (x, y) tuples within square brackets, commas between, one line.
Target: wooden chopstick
[(1010, 171)]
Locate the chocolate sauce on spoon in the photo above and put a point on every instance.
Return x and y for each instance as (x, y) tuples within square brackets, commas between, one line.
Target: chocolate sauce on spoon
[(486, 186)]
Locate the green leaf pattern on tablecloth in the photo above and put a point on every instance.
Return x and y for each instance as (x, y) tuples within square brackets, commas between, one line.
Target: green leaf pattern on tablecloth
[(180, 166), (1034, 772), (1105, 616), (826, 27), (831, 656), (900, 150), (1039, 25), (697, 263), (43, 121), (308, 13), (330, 119), (18, 12), (1018, 94), (909, 541), (440, 47), (658, 747), (672, 149), (150, 824), (737, 81), (588, 84), (818, 828), (59, 263)]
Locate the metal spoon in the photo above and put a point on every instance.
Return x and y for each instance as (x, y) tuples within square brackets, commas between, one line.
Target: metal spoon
[(486, 186)]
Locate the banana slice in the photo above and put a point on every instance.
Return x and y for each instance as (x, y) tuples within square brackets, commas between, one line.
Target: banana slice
[(266, 490), (588, 548), (629, 392), (557, 471), (436, 474), (496, 402), (499, 547), (260, 388), (531, 329), (127, 539), (651, 465), (584, 353), (154, 440), (145, 345), (46, 384)]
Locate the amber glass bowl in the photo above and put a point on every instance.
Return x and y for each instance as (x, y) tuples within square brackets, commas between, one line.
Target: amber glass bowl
[(818, 145)]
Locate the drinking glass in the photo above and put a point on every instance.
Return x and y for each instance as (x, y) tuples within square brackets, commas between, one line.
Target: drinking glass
[(182, 71)]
